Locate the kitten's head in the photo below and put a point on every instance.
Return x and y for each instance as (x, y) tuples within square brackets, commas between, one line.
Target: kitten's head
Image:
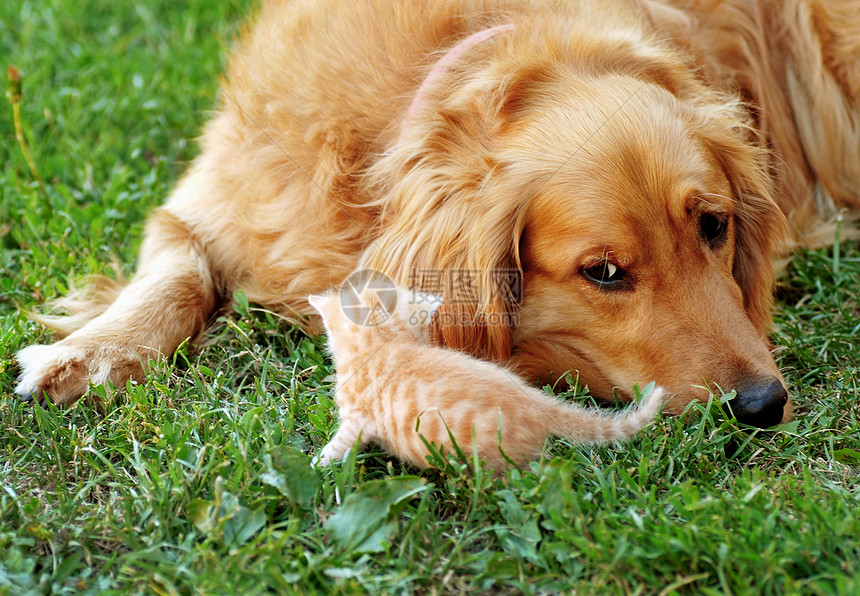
[(396, 313)]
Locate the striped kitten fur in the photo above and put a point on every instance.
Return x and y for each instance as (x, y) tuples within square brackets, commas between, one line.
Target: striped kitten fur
[(392, 388)]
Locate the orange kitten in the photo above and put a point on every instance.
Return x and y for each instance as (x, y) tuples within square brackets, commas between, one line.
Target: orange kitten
[(392, 387)]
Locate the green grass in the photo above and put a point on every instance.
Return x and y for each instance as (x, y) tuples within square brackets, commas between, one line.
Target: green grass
[(198, 479)]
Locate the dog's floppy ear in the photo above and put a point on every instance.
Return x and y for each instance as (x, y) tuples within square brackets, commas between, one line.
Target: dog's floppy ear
[(462, 244), (453, 221), (762, 230)]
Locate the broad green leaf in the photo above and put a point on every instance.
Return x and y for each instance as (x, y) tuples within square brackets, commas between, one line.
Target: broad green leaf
[(290, 472), (847, 456), (367, 517)]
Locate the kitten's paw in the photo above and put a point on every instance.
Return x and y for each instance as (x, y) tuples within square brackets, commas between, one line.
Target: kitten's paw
[(64, 372), (328, 455)]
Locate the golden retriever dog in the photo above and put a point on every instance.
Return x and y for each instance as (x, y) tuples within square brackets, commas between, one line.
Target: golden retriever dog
[(614, 179)]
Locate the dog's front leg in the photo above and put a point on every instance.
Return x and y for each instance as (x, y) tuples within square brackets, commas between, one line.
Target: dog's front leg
[(169, 300)]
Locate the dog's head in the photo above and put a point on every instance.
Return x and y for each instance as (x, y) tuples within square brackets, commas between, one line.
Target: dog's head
[(631, 201)]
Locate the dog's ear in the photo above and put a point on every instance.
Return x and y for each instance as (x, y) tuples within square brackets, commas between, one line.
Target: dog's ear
[(452, 220), (461, 244), (761, 229), (725, 126)]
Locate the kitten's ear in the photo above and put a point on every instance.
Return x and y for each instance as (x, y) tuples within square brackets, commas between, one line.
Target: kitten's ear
[(318, 302)]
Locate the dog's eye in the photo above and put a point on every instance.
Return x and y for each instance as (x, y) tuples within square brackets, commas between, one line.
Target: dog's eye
[(713, 229), (606, 276)]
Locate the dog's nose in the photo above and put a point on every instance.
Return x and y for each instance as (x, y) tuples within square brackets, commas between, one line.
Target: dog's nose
[(759, 401)]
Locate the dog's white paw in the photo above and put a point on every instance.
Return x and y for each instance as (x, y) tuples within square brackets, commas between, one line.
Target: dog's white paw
[(61, 371)]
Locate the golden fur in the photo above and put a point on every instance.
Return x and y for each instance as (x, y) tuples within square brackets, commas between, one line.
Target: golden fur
[(687, 143)]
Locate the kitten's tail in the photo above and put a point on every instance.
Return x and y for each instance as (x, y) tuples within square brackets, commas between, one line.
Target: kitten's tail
[(586, 425)]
